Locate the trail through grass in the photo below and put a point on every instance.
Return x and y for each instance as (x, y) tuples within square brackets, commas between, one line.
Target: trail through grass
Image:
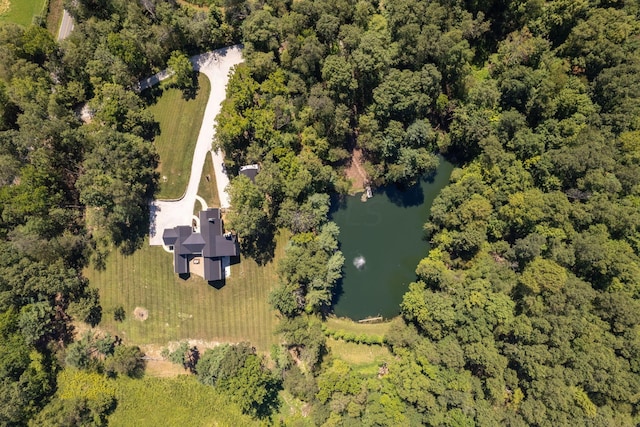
[(180, 309), (180, 121)]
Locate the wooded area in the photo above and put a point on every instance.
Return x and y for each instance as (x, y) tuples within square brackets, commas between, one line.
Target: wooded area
[(525, 311)]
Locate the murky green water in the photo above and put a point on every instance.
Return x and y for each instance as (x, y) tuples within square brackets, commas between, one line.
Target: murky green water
[(382, 242)]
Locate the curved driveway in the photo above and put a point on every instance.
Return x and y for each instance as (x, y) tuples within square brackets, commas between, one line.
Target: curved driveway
[(170, 213)]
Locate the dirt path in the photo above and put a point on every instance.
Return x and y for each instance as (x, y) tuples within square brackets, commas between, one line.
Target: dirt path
[(355, 173)]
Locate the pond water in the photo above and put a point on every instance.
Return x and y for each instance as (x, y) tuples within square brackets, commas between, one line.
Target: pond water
[(382, 242)]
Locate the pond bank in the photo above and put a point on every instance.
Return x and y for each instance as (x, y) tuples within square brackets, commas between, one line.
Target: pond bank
[(382, 242)]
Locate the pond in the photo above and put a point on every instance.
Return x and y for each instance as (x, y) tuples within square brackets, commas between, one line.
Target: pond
[(382, 242)]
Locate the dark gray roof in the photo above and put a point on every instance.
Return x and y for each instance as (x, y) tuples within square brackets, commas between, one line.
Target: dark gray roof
[(183, 231), (194, 243), (225, 246), (180, 263), (169, 236), (210, 242), (212, 269), (250, 171), (211, 228)]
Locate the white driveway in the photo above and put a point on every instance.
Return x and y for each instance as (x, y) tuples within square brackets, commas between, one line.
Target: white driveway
[(66, 25), (170, 213)]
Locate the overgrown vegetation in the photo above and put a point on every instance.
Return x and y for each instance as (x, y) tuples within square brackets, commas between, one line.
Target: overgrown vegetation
[(92, 399)]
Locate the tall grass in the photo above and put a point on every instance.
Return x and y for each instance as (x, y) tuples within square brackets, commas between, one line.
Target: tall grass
[(154, 402)]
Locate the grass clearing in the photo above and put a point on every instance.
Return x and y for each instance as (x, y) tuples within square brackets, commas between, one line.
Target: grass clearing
[(186, 309), (180, 121), (347, 325), (366, 359), (208, 188), (21, 11), (144, 402)]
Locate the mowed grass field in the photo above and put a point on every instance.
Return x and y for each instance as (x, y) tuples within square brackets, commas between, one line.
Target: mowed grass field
[(186, 309), (366, 359), (347, 325), (20, 11), (208, 188), (180, 122)]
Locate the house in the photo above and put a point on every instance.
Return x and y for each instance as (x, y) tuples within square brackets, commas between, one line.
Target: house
[(250, 171), (209, 246)]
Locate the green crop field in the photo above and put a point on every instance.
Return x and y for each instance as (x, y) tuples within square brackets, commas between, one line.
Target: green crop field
[(186, 309), (21, 11), (180, 122)]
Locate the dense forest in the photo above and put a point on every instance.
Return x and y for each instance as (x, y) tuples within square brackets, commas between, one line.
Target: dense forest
[(524, 312)]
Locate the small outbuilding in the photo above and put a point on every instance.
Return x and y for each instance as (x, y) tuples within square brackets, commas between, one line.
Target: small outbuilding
[(250, 171)]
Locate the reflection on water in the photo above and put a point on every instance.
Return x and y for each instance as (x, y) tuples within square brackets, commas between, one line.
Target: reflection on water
[(388, 230)]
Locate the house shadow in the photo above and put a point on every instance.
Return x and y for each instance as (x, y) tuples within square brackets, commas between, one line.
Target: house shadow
[(218, 284), (232, 260), (184, 276)]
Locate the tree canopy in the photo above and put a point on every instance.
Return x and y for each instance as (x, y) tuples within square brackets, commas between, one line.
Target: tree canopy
[(525, 310)]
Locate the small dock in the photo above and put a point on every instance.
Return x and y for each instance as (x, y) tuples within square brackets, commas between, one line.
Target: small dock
[(367, 194)]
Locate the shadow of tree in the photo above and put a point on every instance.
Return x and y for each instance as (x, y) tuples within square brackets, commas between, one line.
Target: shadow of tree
[(262, 247), (189, 92)]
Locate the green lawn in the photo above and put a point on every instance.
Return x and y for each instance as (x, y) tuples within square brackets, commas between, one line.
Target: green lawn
[(180, 401), (180, 309), (208, 188), (21, 11), (180, 122), (336, 324)]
